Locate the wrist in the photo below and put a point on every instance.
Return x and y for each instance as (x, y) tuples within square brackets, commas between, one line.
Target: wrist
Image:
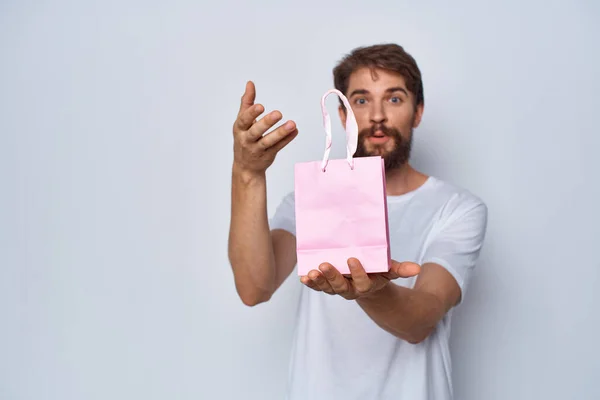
[(379, 296), (247, 176)]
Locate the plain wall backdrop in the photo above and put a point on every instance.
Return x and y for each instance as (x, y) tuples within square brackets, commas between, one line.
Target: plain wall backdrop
[(115, 164)]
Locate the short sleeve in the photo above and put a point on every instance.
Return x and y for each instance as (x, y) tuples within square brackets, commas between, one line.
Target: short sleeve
[(457, 245), (285, 215)]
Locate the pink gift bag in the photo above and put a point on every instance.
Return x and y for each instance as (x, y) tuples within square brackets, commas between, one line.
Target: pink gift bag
[(341, 206)]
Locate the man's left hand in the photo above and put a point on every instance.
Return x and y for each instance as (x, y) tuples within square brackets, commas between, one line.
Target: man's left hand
[(329, 280)]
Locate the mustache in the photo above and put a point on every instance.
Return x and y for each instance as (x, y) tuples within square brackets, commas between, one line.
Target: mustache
[(384, 129)]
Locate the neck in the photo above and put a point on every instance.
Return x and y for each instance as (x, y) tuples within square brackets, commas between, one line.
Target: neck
[(404, 179)]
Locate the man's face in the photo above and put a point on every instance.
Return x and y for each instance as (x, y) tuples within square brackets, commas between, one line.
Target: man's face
[(386, 115)]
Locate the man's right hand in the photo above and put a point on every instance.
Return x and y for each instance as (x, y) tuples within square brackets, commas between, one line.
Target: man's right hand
[(260, 259), (254, 151)]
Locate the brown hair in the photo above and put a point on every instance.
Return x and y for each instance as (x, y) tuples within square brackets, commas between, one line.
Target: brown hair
[(391, 57)]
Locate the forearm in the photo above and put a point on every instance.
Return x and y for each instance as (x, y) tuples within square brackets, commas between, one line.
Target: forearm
[(250, 246), (406, 313)]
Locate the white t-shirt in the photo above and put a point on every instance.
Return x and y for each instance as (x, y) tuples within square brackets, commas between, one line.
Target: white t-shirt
[(340, 353)]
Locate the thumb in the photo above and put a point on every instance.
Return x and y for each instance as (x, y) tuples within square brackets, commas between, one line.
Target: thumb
[(248, 97), (405, 269)]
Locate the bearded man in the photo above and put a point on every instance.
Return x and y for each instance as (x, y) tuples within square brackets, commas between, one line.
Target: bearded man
[(364, 336)]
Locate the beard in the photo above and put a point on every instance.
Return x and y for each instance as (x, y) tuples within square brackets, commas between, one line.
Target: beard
[(393, 159)]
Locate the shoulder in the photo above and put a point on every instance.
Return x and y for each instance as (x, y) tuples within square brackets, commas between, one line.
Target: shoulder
[(286, 205), (457, 202), (288, 199), (285, 214)]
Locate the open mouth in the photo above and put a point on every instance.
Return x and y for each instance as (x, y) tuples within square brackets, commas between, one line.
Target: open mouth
[(378, 138)]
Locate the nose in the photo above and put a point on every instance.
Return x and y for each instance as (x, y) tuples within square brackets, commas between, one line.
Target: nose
[(377, 113)]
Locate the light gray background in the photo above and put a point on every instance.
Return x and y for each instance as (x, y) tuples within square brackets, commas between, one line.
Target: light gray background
[(115, 155)]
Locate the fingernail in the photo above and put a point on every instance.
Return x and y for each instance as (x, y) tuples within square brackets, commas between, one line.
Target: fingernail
[(289, 126)]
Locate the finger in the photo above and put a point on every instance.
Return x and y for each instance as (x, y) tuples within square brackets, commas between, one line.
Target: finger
[(248, 97), (248, 117), (284, 142), (264, 124), (338, 283), (308, 282), (278, 135), (319, 280), (361, 281), (403, 270)]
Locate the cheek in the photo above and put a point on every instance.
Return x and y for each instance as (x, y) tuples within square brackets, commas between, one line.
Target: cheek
[(362, 119), (402, 116)]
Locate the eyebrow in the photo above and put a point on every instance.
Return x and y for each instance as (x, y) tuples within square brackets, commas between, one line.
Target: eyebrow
[(390, 90)]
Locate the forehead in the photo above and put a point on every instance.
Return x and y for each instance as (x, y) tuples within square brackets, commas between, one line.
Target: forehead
[(374, 80)]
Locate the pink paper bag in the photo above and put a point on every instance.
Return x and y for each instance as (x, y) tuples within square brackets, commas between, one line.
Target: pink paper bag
[(341, 207)]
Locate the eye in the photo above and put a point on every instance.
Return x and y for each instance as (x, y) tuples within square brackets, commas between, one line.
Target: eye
[(360, 101), (396, 100)]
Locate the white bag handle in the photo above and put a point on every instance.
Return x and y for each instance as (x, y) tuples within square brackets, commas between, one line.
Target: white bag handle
[(351, 130)]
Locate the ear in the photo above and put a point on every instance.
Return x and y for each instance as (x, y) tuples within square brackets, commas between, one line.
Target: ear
[(343, 115), (418, 115)]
